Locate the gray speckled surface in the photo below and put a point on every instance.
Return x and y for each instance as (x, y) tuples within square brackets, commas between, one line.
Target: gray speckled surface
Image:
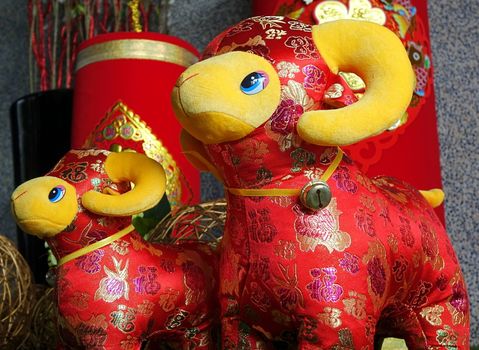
[(13, 84), (454, 36), (454, 39)]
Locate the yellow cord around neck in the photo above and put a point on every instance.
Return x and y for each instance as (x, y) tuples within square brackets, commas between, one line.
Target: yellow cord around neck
[(96, 245), (274, 192)]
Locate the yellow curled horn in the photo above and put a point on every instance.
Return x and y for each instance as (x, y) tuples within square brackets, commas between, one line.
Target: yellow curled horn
[(147, 175), (375, 54)]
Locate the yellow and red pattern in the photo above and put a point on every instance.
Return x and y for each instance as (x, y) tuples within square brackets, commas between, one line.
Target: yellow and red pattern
[(114, 289), (404, 147), (376, 262)]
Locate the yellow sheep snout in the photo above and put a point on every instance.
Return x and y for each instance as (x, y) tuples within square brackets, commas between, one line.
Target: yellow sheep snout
[(44, 206)]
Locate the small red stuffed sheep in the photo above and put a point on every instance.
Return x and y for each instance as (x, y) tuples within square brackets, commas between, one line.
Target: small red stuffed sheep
[(114, 289)]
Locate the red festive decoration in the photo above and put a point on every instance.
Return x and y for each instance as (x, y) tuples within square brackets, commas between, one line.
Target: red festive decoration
[(315, 253), (114, 289), (122, 100)]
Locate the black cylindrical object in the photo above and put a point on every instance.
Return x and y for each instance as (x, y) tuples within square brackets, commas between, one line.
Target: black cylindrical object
[(40, 124)]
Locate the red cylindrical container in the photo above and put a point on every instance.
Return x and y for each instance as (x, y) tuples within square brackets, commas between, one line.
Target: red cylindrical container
[(123, 83)]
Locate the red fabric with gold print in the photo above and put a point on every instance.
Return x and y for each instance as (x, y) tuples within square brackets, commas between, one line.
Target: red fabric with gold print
[(128, 290), (375, 262), (122, 93), (410, 151)]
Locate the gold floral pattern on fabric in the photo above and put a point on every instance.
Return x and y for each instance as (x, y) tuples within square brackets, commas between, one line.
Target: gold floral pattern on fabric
[(432, 314), (320, 228), (447, 337), (80, 300), (121, 128), (286, 289), (430, 246), (91, 331), (287, 69), (379, 273), (146, 308), (459, 301), (281, 126), (121, 247), (114, 285), (140, 245), (168, 299), (285, 249), (330, 317)]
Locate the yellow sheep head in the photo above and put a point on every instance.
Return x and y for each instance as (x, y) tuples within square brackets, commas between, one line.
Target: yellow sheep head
[(47, 205), (227, 96)]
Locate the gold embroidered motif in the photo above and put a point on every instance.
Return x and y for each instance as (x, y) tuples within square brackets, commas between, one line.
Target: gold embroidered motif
[(367, 202), (295, 91), (120, 247), (393, 243), (285, 249), (287, 290), (96, 321), (355, 305), (433, 314), (379, 273), (353, 81), (80, 300), (123, 319), (334, 92), (458, 303), (320, 228), (168, 299), (146, 308), (140, 245), (269, 21), (330, 317), (114, 285), (130, 343), (447, 337), (287, 69)]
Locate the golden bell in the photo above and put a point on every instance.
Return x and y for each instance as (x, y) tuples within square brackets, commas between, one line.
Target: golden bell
[(315, 195)]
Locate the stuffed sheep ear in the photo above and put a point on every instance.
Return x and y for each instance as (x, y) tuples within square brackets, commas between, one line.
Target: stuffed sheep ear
[(194, 151), (375, 54), (148, 177)]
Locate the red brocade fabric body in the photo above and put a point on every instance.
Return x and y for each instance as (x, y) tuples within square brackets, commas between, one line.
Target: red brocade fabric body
[(377, 255), (130, 290), (375, 262)]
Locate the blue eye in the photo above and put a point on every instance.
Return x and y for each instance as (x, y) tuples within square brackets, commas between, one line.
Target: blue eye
[(254, 82), (56, 194)]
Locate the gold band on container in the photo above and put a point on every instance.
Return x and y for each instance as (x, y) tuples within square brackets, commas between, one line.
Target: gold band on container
[(145, 49)]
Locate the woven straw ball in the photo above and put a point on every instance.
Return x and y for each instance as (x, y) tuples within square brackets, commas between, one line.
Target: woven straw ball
[(16, 295)]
